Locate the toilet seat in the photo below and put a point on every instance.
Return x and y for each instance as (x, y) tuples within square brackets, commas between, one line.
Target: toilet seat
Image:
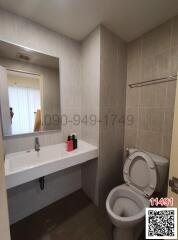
[(140, 173)]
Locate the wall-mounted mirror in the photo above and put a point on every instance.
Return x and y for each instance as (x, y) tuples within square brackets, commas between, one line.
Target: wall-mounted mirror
[(29, 90)]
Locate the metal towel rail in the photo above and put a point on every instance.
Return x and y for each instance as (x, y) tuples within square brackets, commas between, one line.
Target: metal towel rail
[(153, 81)]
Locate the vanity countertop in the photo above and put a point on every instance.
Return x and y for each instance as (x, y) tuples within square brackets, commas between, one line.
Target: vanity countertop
[(26, 166)]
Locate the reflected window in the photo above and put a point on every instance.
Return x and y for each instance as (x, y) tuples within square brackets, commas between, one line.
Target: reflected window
[(24, 101)]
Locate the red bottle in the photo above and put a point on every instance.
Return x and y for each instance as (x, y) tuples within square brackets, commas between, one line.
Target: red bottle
[(69, 144)]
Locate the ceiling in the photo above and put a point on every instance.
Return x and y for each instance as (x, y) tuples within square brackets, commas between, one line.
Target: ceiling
[(14, 52), (77, 18)]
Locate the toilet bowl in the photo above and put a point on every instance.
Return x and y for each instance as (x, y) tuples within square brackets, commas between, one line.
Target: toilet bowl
[(126, 207), (126, 210), (126, 203)]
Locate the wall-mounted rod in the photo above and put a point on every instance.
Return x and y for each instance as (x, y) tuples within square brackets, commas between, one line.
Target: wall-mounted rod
[(153, 81), (21, 71)]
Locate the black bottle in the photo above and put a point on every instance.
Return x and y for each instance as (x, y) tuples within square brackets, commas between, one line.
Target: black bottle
[(74, 139)]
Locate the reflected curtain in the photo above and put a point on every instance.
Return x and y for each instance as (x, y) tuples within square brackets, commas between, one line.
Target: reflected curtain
[(25, 102)]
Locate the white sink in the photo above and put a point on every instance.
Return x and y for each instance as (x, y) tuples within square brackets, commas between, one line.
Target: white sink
[(26, 166)]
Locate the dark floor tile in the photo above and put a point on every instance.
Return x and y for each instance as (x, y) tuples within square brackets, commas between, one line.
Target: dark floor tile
[(72, 218)]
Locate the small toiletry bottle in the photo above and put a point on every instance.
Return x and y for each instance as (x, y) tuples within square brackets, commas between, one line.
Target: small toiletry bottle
[(74, 138), (69, 143)]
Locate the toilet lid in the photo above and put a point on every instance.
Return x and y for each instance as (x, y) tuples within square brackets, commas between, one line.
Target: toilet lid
[(140, 173)]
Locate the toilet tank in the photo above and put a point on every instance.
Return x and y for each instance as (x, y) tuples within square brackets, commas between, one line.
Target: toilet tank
[(162, 167)]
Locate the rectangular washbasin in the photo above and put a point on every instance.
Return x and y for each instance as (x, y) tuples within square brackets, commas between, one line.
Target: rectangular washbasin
[(26, 166)]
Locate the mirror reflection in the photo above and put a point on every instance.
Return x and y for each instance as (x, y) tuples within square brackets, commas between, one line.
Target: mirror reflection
[(29, 90)]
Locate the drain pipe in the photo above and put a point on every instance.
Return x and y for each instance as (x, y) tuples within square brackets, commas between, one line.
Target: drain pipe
[(42, 183)]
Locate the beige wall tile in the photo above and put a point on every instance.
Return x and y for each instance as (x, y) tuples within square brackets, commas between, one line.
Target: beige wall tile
[(147, 96), (162, 37), (166, 146), (147, 66), (113, 75), (90, 181), (131, 118), (157, 40), (155, 66), (148, 45), (145, 119), (133, 97), (4, 215), (106, 184), (168, 121), (110, 43), (90, 92), (133, 73), (130, 139), (158, 51), (149, 141), (109, 83), (134, 52), (174, 60), (153, 95), (157, 120), (161, 65), (21, 31), (112, 105), (160, 95), (174, 32), (170, 95), (91, 85), (22, 143), (111, 118)]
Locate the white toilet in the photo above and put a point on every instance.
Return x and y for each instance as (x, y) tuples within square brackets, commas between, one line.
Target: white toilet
[(144, 173)]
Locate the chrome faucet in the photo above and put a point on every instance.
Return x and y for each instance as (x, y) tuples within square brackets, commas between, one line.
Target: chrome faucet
[(37, 144)]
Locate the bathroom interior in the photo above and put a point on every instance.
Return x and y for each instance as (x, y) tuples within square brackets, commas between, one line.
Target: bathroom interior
[(98, 74)]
